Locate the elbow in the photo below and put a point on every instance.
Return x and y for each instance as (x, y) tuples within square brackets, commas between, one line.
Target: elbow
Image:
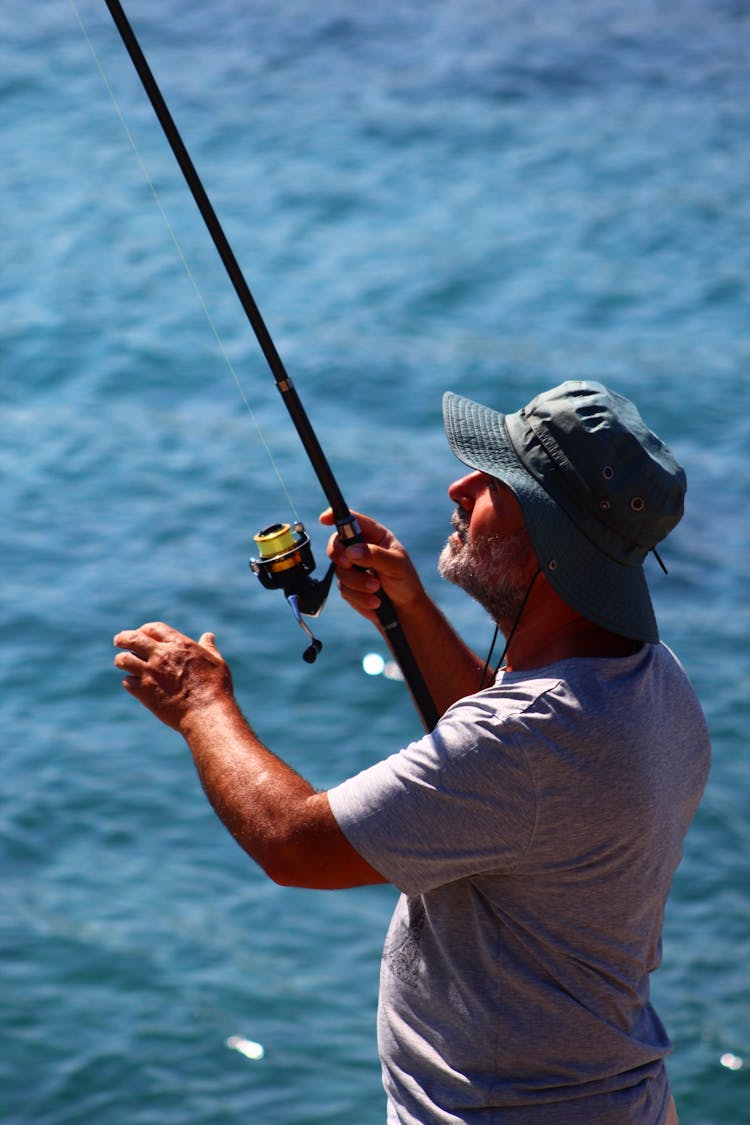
[(280, 868), (299, 861), (284, 860), (285, 877), (299, 845)]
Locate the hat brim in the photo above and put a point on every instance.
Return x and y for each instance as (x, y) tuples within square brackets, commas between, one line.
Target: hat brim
[(610, 594)]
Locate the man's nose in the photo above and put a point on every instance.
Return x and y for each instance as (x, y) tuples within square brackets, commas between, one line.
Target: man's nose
[(464, 491)]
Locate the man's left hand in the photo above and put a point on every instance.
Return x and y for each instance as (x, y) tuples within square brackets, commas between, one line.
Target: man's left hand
[(171, 674)]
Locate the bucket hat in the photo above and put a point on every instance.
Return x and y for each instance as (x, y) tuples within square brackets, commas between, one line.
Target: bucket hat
[(598, 490)]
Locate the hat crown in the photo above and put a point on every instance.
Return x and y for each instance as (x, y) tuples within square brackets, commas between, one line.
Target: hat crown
[(589, 448)]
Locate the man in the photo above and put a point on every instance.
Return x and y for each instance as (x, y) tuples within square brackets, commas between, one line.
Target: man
[(535, 832)]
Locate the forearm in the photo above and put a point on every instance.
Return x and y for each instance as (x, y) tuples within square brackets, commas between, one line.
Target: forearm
[(449, 667), (259, 798)]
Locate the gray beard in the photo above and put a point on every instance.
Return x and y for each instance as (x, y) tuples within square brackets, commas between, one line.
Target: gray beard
[(494, 574)]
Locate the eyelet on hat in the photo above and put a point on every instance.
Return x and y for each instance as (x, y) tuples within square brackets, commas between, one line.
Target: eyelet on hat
[(637, 503), (552, 564)]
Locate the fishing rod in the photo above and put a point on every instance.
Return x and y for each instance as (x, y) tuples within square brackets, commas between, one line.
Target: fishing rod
[(285, 557)]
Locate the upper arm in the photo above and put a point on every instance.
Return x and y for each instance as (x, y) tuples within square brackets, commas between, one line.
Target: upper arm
[(456, 803), (317, 854)]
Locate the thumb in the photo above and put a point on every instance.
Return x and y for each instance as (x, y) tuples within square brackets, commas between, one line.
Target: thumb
[(208, 641)]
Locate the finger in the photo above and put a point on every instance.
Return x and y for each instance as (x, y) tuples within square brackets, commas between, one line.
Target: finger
[(124, 637), (370, 528), (131, 684), (358, 581), (135, 686), (385, 561), (326, 517), (361, 600), (135, 640), (145, 638), (346, 556), (129, 662), (161, 632)]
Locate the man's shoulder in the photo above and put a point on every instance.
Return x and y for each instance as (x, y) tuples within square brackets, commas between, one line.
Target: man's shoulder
[(650, 686)]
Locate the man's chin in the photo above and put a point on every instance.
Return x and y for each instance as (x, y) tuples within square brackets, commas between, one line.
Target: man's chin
[(448, 559), (488, 581)]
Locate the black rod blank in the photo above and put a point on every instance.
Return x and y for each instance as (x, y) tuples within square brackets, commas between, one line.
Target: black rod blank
[(345, 521)]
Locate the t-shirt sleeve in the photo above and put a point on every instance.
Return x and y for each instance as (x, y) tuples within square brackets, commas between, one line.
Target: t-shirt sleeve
[(456, 803)]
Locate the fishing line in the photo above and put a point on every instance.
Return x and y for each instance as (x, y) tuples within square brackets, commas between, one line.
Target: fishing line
[(181, 255)]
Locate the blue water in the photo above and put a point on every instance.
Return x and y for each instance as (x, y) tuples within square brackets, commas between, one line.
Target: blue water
[(485, 197)]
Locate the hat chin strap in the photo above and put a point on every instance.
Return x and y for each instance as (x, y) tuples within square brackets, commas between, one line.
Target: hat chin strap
[(659, 559), (511, 634)]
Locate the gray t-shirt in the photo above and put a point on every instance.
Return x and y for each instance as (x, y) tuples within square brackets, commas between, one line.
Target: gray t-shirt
[(533, 835)]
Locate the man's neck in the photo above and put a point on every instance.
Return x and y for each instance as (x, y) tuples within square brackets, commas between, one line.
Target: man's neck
[(549, 631)]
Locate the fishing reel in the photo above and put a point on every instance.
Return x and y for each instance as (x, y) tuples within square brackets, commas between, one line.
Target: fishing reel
[(286, 563)]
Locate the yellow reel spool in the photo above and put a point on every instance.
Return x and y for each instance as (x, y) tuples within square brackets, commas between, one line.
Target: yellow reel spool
[(276, 545)]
